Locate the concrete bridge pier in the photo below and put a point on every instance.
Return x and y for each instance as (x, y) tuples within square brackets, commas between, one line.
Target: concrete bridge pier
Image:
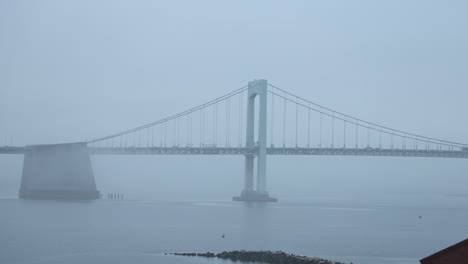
[(61, 171), (249, 175), (256, 88)]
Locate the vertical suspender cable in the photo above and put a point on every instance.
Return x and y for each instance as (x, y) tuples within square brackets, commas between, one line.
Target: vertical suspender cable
[(165, 134), (284, 123), (357, 133), (174, 128), (178, 130), (228, 121), (368, 137), (308, 126), (380, 140), (241, 110), (203, 135), (188, 129), (297, 119), (214, 126), (333, 129), (191, 129), (239, 131), (272, 119), (321, 119), (344, 133), (201, 127)]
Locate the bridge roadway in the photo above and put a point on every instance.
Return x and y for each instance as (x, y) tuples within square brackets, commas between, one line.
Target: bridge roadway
[(373, 152)]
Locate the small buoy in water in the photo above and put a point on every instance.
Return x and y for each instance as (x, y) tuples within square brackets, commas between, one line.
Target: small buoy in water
[(223, 235), (420, 217)]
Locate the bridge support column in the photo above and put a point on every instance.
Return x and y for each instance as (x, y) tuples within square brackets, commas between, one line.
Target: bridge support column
[(260, 194), (58, 172), (249, 175)]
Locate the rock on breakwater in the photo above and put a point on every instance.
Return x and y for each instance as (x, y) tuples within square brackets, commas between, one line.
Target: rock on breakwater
[(271, 257)]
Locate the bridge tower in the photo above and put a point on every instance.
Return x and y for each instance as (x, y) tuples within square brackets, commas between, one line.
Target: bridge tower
[(259, 194)]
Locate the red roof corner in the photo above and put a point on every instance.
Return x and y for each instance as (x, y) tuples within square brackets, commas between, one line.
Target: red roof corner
[(456, 254)]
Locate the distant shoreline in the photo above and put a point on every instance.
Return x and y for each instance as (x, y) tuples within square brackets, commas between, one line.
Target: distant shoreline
[(271, 257)]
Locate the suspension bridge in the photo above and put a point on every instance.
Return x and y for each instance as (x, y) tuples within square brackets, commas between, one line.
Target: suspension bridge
[(255, 121)]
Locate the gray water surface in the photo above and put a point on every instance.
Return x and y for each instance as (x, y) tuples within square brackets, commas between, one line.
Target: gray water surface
[(360, 210), (140, 231)]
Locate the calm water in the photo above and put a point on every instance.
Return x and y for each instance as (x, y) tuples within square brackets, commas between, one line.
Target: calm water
[(140, 231), (362, 211)]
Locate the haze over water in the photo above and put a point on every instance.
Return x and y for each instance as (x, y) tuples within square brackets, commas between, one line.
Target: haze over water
[(173, 208)]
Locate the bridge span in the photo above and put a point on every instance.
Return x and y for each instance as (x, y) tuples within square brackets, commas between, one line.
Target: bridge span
[(371, 152), (304, 151), (237, 124)]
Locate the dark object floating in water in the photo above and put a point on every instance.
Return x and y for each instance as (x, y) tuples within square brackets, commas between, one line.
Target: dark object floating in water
[(223, 235), (271, 257)]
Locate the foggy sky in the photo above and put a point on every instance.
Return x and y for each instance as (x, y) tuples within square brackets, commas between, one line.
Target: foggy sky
[(74, 70)]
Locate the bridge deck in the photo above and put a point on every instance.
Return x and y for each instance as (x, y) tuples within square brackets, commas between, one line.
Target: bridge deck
[(12, 150), (271, 151), (282, 151)]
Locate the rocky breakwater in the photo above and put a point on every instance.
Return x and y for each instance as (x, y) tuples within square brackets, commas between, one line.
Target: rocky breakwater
[(271, 257)]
